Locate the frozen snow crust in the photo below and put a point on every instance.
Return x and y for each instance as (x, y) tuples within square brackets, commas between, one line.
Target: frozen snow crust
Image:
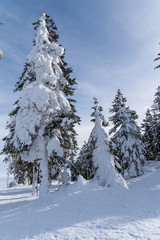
[(84, 210)]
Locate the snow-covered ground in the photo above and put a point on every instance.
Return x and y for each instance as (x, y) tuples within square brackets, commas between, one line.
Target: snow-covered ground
[(84, 210)]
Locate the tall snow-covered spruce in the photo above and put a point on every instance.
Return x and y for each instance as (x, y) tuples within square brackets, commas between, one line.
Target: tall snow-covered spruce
[(97, 161), (42, 123), (127, 145)]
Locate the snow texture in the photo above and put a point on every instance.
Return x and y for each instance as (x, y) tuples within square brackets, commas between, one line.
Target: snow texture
[(84, 210)]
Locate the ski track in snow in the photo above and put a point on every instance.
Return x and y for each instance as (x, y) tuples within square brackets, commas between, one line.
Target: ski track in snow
[(84, 211)]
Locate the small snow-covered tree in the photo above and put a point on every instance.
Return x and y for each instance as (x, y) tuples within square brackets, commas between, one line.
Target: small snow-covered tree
[(148, 136), (84, 164), (124, 135), (116, 120), (42, 124), (128, 144), (97, 155)]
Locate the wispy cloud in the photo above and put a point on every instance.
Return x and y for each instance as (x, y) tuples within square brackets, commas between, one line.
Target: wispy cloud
[(133, 72), (138, 18)]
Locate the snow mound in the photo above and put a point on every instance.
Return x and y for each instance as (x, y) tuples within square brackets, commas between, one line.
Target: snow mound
[(79, 186), (81, 182), (150, 179)]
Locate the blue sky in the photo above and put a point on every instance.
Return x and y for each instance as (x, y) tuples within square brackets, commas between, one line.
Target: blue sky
[(110, 44)]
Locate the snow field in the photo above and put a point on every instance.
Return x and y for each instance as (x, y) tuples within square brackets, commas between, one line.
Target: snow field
[(84, 210)]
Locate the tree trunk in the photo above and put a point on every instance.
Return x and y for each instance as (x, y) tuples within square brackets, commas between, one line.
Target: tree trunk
[(43, 171), (35, 180), (8, 173)]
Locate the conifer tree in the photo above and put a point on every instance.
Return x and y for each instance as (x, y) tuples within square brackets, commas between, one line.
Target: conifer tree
[(42, 123), (148, 136), (156, 102), (84, 163), (95, 160), (116, 120), (155, 109), (118, 102), (126, 142)]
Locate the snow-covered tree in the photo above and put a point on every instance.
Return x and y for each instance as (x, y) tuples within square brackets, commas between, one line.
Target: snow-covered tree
[(116, 121), (156, 102), (155, 109), (126, 140), (42, 123), (21, 170), (95, 160), (149, 136), (128, 144), (116, 118), (84, 163), (118, 102), (94, 113)]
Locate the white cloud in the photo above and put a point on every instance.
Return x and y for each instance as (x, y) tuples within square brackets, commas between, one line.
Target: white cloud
[(133, 74), (6, 13), (139, 18)]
